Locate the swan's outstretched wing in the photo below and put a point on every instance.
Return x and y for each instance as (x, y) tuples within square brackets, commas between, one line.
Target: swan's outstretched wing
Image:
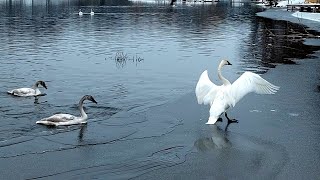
[(204, 86), (251, 82), (212, 95)]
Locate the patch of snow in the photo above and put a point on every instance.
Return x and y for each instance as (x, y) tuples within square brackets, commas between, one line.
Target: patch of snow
[(294, 114), (307, 15), (255, 110), (285, 3)]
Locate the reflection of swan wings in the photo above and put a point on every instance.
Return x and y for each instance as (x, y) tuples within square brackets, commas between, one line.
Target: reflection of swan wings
[(219, 137), (204, 86), (218, 140)]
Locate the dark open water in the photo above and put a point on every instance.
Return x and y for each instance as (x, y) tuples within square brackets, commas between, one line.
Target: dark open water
[(141, 62)]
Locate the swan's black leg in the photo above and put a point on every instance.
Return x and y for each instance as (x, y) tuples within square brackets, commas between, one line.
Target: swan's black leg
[(36, 100), (226, 128), (219, 119), (230, 120)]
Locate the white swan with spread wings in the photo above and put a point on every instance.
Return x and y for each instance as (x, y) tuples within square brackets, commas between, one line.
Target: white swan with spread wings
[(221, 98)]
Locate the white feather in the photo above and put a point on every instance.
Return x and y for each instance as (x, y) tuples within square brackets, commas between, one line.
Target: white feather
[(60, 119), (250, 82), (204, 86), (25, 92)]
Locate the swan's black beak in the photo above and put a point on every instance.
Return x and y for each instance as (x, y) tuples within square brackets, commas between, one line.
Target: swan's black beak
[(43, 84), (229, 63), (93, 100)]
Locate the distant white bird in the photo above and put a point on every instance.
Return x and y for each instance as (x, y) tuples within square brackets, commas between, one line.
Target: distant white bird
[(91, 13), (25, 92), (221, 98), (68, 119), (80, 12)]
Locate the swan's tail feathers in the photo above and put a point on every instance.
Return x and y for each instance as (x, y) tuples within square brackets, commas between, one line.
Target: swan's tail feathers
[(14, 92), (212, 120), (203, 87)]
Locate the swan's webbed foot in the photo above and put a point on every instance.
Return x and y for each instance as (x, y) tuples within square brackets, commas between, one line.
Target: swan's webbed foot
[(231, 120)]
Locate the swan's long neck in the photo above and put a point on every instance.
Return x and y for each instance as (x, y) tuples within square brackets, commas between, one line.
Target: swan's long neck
[(84, 116), (35, 87), (223, 80)]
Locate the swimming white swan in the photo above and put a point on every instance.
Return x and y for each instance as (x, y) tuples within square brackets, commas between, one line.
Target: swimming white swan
[(91, 13), (33, 91), (221, 98), (68, 119), (80, 12)]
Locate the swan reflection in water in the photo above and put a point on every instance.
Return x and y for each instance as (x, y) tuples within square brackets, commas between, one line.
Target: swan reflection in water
[(83, 129), (217, 140)]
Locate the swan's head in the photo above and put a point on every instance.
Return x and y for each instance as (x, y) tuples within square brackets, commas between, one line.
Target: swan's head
[(42, 83), (225, 62), (222, 63), (90, 98)]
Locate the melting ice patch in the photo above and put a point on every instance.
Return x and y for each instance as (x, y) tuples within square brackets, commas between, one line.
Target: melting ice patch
[(293, 114), (255, 110)]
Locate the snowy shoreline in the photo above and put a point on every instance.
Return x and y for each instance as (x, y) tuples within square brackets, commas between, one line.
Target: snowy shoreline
[(311, 20)]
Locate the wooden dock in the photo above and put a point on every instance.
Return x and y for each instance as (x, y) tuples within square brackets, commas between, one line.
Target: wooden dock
[(310, 7)]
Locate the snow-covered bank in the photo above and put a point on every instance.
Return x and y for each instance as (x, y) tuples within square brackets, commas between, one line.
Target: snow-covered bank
[(285, 3), (307, 15), (302, 15), (311, 20), (298, 15)]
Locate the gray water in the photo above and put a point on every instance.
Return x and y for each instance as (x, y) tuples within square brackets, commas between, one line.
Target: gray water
[(131, 57)]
